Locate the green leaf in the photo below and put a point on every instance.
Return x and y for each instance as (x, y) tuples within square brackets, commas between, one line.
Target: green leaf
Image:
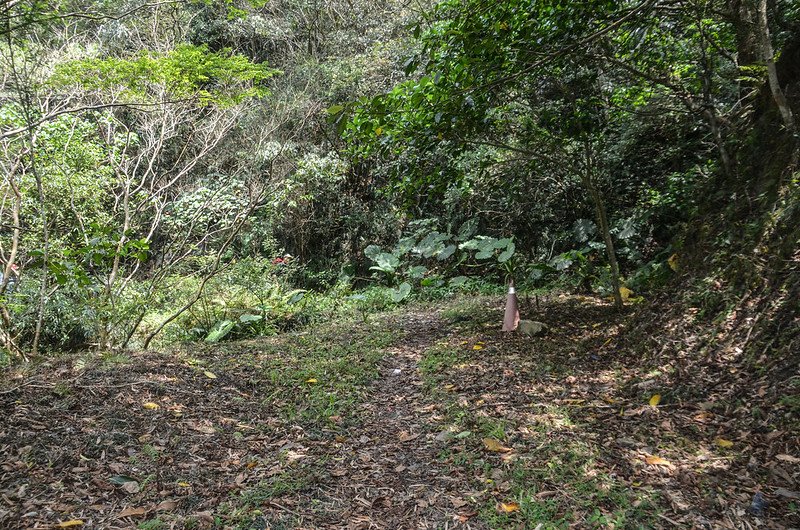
[(387, 262), (446, 252), (401, 293), (295, 296), (334, 109), (220, 331), (417, 272), (119, 480), (507, 253), (458, 281), (372, 251)]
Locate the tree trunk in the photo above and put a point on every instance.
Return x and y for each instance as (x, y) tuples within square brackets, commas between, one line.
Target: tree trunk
[(602, 219), (768, 56)]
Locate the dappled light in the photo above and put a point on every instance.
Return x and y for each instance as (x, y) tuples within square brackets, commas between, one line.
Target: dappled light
[(358, 265)]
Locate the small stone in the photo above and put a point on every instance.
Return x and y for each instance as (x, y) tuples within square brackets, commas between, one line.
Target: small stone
[(758, 504), (532, 328)]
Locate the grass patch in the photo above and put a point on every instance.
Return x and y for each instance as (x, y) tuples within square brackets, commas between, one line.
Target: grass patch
[(308, 377)]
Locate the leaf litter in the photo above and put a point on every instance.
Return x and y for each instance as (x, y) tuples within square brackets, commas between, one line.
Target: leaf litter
[(556, 423)]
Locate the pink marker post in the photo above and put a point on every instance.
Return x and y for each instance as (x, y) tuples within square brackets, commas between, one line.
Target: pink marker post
[(511, 319)]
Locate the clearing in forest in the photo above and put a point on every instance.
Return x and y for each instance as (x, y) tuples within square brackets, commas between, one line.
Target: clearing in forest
[(420, 418)]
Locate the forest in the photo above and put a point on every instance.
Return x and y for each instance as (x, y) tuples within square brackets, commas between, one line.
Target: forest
[(442, 264)]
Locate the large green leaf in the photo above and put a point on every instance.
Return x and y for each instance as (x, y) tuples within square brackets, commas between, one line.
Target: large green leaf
[(507, 253), (372, 251), (401, 293), (219, 332)]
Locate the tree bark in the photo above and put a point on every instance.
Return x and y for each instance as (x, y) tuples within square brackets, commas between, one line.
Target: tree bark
[(768, 56), (587, 178)]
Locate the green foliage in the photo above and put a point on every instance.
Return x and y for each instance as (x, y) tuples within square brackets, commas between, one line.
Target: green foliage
[(186, 72), (430, 258)]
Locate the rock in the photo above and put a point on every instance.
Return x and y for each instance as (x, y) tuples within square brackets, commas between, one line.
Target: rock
[(758, 505), (532, 328)]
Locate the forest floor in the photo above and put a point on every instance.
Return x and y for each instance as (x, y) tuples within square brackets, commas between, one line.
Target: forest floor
[(425, 417)]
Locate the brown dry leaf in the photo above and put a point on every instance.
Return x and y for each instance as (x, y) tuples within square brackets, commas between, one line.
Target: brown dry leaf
[(509, 457), (166, 506), (657, 461), (509, 507), (702, 417), (132, 512), (722, 442), (655, 400), (150, 405), (495, 446), (70, 524), (788, 458), (458, 502), (131, 487), (407, 437), (199, 427), (463, 517)]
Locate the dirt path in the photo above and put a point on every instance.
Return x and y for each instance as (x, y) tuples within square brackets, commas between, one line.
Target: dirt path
[(386, 472)]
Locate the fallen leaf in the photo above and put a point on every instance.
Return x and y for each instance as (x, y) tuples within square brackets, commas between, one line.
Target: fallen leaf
[(655, 400), (477, 347), (783, 492), (166, 506), (673, 262), (121, 480), (509, 457), (625, 293), (407, 437), (449, 387), (657, 461), (458, 502), (184, 484), (131, 487), (494, 446), (509, 507), (150, 405), (70, 524), (312, 381), (132, 512), (722, 442), (702, 417), (210, 375), (788, 458), (199, 427)]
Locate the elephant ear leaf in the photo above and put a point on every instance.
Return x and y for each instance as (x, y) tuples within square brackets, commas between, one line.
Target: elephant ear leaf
[(446, 252), (507, 253), (221, 329), (372, 252), (401, 293), (386, 262)]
